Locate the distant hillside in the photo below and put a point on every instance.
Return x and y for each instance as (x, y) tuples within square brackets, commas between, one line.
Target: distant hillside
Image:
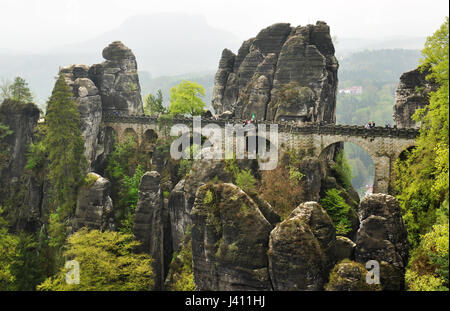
[(164, 44), (347, 46), (377, 66)]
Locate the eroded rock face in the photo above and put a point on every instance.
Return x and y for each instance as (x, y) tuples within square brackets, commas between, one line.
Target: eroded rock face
[(382, 236), (89, 105), (110, 87), (296, 259), (94, 206), (281, 62), (21, 119), (151, 225), (321, 226), (118, 81), (182, 197), (345, 248), (230, 239), (412, 93)]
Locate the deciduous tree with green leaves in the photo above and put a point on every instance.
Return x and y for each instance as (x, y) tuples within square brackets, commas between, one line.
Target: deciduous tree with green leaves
[(422, 179), (186, 99), (107, 262)]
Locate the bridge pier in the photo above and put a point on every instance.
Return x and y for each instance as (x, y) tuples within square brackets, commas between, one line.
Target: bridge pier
[(382, 174)]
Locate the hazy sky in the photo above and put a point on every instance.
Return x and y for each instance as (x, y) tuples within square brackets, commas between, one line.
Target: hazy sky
[(30, 25)]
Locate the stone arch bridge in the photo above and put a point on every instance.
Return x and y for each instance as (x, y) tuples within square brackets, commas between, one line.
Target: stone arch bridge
[(384, 145)]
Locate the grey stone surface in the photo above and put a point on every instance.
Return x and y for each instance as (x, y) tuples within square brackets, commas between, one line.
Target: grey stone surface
[(265, 65), (382, 236), (94, 208), (24, 191), (118, 81), (345, 248), (89, 102), (151, 225), (412, 93), (296, 260), (230, 239)]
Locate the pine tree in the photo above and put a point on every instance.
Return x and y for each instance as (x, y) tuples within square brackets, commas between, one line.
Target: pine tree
[(67, 164), (19, 91), (153, 104)]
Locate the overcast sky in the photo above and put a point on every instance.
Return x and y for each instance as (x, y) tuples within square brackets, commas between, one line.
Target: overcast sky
[(31, 25)]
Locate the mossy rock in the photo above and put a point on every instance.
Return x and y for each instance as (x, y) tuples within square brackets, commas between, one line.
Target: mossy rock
[(348, 275)]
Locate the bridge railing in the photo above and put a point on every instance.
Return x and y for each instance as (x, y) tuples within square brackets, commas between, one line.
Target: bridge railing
[(312, 128)]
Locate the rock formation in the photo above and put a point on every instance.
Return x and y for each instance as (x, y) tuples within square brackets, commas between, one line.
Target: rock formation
[(21, 120), (89, 105), (284, 73), (117, 80), (321, 226), (349, 276), (230, 239), (151, 225), (296, 260), (110, 87), (412, 93), (94, 205), (182, 197), (301, 249), (345, 248), (382, 236)]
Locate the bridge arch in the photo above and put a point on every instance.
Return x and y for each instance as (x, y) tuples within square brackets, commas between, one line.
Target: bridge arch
[(361, 163), (129, 132)]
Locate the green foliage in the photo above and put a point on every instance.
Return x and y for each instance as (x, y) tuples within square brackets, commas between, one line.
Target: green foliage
[(181, 275), (244, 179), (153, 104), (4, 147), (19, 91), (165, 83), (129, 197), (338, 210), (428, 268), (27, 264), (186, 164), (20, 266), (293, 166), (422, 179), (342, 170), (65, 146), (339, 279), (90, 180), (186, 99), (107, 262), (377, 71), (125, 167), (8, 245), (185, 167)]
